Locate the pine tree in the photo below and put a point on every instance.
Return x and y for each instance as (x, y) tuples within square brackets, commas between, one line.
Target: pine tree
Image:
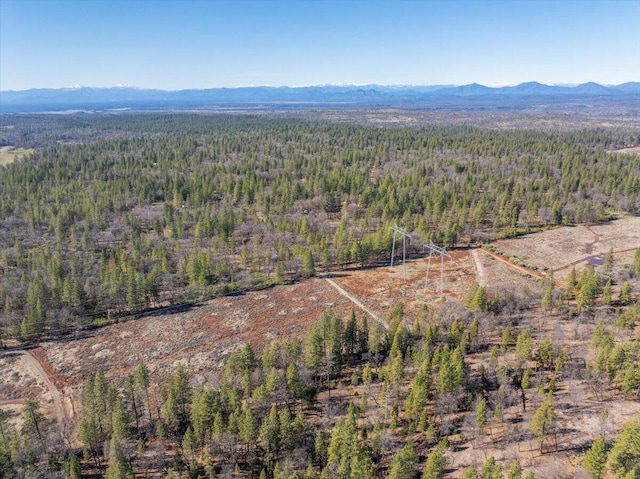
[(203, 410), (175, 408), (515, 471), (470, 473), (294, 384), (608, 261), (118, 467), (71, 467), (507, 338), (570, 284), (320, 448), (625, 293), (544, 355), (363, 336), (589, 288), (119, 421), (308, 264), (595, 459), (419, 391), (247, 428), (547, 299), (480, 301), (606, 293), (436, 462), (474, 334), (481, 415), (543, 421), (491, 470), (403, 465), (270, 434), (524, 345), (350, 340), (624, 457), (33, 419), (314, 351), (142, 384)]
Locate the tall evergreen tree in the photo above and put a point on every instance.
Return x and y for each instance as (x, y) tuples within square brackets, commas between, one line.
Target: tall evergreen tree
[(595, 459)]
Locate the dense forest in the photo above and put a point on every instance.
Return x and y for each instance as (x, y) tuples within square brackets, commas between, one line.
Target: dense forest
[(116, 214)]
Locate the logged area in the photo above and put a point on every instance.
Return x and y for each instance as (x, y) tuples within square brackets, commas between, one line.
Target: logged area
[(9, 154), (213, 296)]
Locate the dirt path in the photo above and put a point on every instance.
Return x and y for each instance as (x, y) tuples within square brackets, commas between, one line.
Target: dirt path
[(355, 301), (511, 264), (58, 403), (480, 278), (588, 248)]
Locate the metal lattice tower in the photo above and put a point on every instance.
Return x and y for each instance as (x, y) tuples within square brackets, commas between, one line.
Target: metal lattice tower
[(442, 252), (401, 231)]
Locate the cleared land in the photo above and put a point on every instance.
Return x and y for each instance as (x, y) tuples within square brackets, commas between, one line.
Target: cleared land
[(560, 249), (204, 336), (9, 154), (628, 151)]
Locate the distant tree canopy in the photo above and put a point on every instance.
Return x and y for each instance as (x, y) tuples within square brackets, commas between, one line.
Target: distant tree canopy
[(116, 214)]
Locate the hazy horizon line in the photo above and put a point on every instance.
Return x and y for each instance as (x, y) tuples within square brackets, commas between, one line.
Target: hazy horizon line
[(328, 84)]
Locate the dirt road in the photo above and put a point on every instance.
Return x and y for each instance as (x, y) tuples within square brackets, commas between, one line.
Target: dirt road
[(61, 412), (511, 264), (480, 278), (355, 301)]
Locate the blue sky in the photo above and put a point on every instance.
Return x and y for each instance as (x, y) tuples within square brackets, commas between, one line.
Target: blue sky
[(205, 44)]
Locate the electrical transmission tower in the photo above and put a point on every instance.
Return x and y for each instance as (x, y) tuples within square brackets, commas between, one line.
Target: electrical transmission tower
[(401, 231), (442, 252)]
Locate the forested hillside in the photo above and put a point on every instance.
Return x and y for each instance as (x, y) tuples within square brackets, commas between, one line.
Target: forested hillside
[(116, 214)]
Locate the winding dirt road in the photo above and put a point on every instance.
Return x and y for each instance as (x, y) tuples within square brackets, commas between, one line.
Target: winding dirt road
[(58, 400)]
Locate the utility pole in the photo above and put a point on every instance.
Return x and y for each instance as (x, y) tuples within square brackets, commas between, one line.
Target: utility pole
[(442, 252), (401, 231)]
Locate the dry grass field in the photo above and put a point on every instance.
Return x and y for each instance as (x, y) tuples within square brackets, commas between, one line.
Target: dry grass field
[(9, 154)]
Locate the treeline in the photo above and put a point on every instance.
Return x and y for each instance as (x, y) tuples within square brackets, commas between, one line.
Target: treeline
[(150, 210)]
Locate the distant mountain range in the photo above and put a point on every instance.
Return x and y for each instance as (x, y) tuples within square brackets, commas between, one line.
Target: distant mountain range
[(263, 96)]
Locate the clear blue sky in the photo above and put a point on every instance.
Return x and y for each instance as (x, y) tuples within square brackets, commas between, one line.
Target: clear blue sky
[(204, 44)]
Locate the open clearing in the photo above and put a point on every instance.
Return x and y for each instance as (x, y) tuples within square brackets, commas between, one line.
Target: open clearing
[(9, 154), (203, 337), (628, 151), (560, 249)]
